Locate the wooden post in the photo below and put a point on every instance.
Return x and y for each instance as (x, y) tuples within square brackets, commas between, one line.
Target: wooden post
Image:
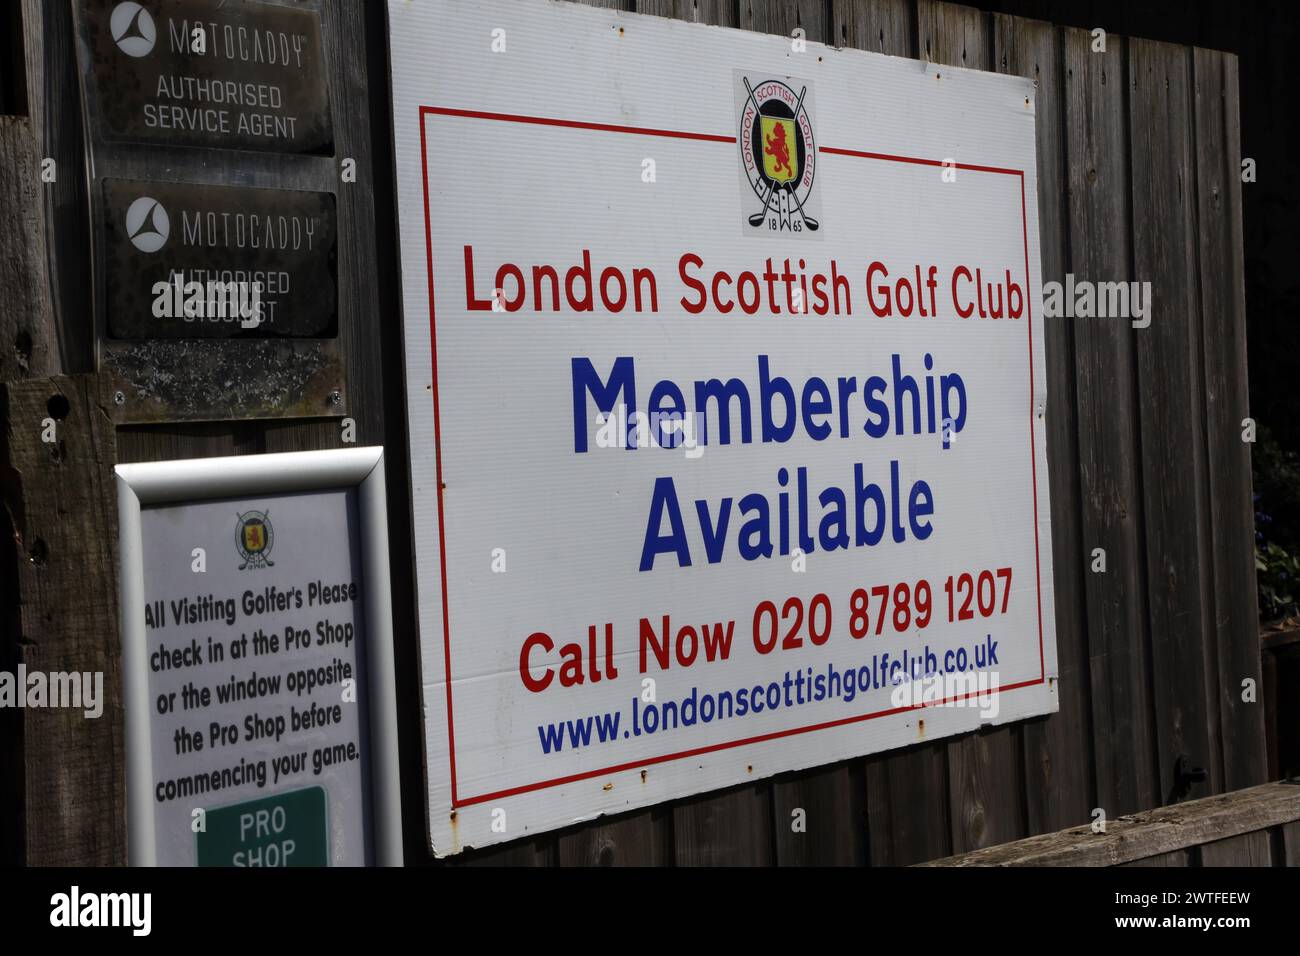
[(27, 315), (61, 615)]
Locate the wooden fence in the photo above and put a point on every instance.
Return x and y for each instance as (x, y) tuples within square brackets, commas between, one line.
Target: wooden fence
[(1258, 826), (1138, 152)]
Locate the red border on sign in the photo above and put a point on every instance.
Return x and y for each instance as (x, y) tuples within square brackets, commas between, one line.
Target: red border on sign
[(456, 800)]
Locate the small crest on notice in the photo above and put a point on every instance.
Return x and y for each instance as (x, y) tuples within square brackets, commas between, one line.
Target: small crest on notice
[(253, 539)]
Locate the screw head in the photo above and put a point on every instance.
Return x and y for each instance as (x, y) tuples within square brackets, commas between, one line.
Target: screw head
[(336, 397), (119, 398)]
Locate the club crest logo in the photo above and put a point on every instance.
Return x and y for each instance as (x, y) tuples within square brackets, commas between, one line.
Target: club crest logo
[(253, 540), (778, 156)]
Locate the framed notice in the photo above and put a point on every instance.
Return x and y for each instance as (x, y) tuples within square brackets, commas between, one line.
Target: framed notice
[(726, 396), (257, 661)]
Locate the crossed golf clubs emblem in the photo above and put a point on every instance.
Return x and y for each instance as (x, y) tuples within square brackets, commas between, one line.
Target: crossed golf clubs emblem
[(773, 186)]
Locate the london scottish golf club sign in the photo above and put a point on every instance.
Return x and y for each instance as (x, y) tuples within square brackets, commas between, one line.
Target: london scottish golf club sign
[(726, 394)]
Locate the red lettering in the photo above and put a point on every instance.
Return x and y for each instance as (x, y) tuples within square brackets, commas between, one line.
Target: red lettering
[(957, 273), (506, 270), (660, 649), (718, 304), (875, 268), (542, 640), (692, 283), (471, 303)]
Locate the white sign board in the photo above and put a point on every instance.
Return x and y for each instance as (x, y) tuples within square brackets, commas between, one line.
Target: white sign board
[(725, 382), (258, 662)]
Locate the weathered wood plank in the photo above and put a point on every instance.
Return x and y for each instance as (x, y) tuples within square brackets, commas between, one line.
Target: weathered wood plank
[(730, 828), (307, 435), (538, 851), (1268, 694), (907, 806), (1153, 832), (986, 788), (28, 337), (783, 17), (636, 839), (717, 12), (344, 27), (1097, 145), (1057, 748), (952, 35), (53, 87), (1223, 320), (1177, 858), (1171, 411), (833, 817), (1249, 849), (61, 614), (1291, 843), (883, 26), (170, 442)]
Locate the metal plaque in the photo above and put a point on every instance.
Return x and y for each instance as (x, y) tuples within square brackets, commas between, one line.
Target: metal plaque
[(185, 260), (197, 73)]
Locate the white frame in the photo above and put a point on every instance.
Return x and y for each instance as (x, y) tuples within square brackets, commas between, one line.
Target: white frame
[(198, 479)]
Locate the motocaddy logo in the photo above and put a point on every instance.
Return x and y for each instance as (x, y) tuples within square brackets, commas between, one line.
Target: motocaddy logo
[(147, 224), (778, 156), (133, 29)]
